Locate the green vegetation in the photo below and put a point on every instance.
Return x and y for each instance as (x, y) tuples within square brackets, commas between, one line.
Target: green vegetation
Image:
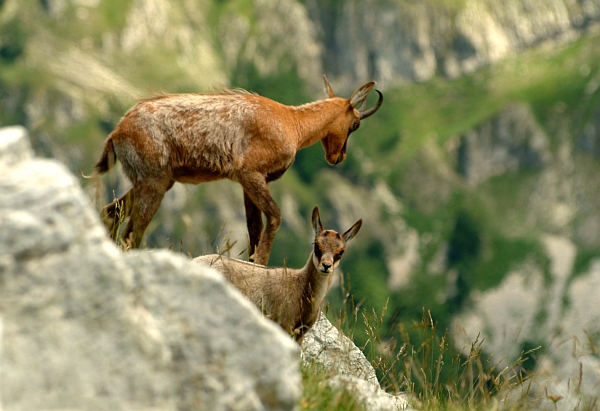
[(12, 41), (285, 86), (317, 395), (482, 233), (446, 108), (435, 374)]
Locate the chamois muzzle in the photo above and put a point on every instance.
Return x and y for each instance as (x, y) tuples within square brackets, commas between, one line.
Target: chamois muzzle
[(325, 267), (342, 155), (340, 158), (372, 110)]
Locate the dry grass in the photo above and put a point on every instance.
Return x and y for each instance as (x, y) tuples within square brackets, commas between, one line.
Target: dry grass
[(437, 375)]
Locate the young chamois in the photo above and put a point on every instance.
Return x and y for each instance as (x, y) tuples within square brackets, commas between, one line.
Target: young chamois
[(195, 138), (290, 297)]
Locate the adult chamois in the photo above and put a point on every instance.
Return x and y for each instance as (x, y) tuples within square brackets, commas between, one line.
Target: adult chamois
[(195, 138), (290, 297)]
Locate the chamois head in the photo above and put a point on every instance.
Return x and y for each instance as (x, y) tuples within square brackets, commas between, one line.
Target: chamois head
[(336, 140), (329, 245)]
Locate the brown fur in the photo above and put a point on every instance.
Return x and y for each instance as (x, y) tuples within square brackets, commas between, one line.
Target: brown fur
[(196, 138), (290, 297)]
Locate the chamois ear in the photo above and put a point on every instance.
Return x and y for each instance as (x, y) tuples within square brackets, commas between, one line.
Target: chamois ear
[(327, 87), (316, 221), (349, 235), (360, 94)]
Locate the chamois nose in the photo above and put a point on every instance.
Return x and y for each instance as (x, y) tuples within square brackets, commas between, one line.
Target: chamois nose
[(326, 266)]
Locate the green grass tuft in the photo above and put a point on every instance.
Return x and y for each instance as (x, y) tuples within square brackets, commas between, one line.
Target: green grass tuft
[(318, 395)]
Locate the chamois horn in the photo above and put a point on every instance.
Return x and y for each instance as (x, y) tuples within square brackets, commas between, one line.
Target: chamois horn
[(372, 110)]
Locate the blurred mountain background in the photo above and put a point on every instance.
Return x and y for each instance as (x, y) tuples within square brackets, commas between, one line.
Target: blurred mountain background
[(477, 180)]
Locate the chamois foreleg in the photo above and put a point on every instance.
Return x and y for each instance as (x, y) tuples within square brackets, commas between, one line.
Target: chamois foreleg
[(146, 201), (113, 214), (255, 224), (255, 186)]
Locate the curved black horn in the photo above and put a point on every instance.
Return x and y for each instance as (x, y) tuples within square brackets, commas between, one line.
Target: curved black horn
[(369, 112)]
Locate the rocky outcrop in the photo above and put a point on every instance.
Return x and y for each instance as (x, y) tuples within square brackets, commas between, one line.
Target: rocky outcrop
[(510, 141), (327, 346), (352, 41), (83, 326), (276, 38), (527, 311), (550, 166), (395, 41)]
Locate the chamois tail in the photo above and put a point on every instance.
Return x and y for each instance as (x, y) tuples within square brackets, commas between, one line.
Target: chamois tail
[(108, 159)]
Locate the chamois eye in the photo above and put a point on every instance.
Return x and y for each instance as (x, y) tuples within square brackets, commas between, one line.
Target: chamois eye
[(318, 252), (355, 125)]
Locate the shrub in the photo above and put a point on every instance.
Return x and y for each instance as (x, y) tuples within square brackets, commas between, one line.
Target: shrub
[(12, 41)]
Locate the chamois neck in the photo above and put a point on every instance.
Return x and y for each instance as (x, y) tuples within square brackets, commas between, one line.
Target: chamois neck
[(316, 283), (313, 120), (309, 267)]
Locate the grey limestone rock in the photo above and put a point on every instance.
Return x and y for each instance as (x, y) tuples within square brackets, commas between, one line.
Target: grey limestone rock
[(327, 346), (83, 326), (508, 142)]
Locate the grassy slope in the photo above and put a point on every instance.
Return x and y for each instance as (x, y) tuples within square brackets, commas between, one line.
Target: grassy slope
[(563, 79)]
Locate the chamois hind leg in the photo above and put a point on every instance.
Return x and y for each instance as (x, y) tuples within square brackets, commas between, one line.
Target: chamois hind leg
[(254, 223), (147, 199), (113, 214), (255, 185)]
